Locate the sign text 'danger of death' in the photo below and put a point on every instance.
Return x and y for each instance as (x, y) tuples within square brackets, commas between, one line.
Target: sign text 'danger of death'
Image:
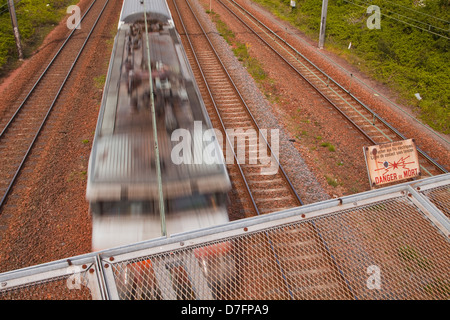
[(392, 162)]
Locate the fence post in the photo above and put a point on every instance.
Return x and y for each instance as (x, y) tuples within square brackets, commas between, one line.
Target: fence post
[(12, 12), (323, 21)]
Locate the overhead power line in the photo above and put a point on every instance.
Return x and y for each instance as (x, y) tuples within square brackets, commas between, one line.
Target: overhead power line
[(423, 13), (6, 5), (404, 22), (425, 23)]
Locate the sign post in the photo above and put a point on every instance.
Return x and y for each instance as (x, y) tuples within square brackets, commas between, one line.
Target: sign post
[(12, 12), (323, 22), (392, 162)]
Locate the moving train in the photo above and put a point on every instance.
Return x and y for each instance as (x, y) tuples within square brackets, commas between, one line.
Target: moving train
[(126, 182)]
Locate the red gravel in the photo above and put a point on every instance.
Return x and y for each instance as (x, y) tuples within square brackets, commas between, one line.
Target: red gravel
[(310, 121), (47, 217)]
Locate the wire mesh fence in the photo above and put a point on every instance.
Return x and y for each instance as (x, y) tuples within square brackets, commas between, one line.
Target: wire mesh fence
[(49, 289), (387, 250), (439, 196), (38, 283), (390, 243)]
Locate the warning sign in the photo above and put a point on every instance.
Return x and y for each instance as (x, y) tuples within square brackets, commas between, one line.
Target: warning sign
[(392, 162)]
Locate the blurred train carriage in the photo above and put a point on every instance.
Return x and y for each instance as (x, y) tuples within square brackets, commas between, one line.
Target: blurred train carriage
[(122, 186)]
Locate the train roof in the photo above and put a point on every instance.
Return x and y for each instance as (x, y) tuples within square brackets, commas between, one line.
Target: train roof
[(122, 162), (122, 166), (133, 10)]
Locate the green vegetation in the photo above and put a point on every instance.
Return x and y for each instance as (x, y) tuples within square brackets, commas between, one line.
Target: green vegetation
[(100, 81), (329, 146), (77, 175), (407, 59), (410, 255), (222, 28), (35, 18), (332, 181), (438, 287), (240, 50)]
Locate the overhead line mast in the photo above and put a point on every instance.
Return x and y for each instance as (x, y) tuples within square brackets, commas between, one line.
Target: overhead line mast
[(155, 133), (12, 12)]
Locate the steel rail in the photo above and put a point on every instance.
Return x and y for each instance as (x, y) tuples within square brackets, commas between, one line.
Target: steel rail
[(13, 180), (316, 229), (252, 118), (45, 71), (360, 103), (223, 128), (216, 108), (303, 77), (326, 247)]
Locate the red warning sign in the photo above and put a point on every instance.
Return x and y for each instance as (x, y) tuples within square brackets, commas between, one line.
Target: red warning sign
[(392, 162)]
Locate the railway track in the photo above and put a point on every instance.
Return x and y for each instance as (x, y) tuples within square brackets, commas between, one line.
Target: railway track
[(268, 193), (21, 127), (374, 128)]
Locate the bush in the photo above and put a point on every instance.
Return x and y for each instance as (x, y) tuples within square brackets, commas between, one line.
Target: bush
[(35, 19), (407, 59)]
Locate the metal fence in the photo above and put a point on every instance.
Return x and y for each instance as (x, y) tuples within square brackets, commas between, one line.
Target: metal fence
[(390, 243)]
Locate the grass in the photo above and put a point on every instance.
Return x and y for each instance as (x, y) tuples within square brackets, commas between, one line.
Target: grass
[(406, 59), (35, 18), (77, 175), (241, 51), (222, 28), (100, 81), (416, 262), (329, 146), (409, 254), (332, 181), (438, 287)]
